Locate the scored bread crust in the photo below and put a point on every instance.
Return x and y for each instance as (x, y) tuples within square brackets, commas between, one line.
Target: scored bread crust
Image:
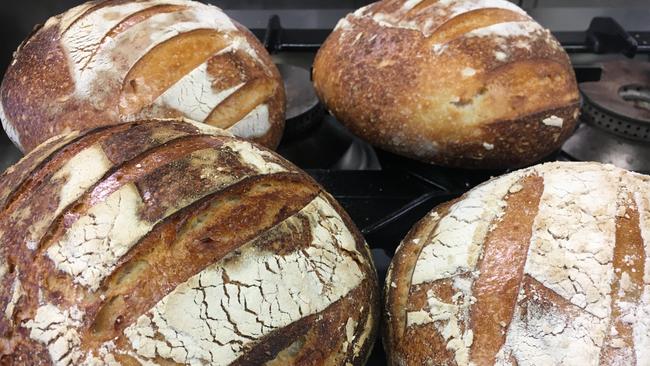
[(173, 242), (547, 265), (466, 83), (106, 62)]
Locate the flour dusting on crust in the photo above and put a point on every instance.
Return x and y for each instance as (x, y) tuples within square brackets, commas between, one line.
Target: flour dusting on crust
[(218, 313), (254, 124), (445, 10), (57, 329), (562, 315)]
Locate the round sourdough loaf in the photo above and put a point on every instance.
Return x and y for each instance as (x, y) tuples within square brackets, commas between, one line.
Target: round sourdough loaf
[(106, 62), (544, 266), (168, 242), (466, 83)]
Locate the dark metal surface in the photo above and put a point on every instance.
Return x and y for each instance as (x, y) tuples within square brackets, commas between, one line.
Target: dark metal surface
[(299, 39), (303, 111), (590, 143), (621, 95), (616, 117), (606, 35), (9, 154), (307, 29)]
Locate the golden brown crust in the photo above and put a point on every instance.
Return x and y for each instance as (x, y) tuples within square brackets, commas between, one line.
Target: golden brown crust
[(311, 340), (59, 80), (544, 265), (277, 100), (398, 293), (449, 83), (158, 263), (96, 253), (23, 85), (13, 177), (501, 269), (629, 244)]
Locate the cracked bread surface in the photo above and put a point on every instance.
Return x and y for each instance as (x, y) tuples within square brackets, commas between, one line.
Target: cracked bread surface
[(548, 265), (106, 62), (466, 83), (165, 242)]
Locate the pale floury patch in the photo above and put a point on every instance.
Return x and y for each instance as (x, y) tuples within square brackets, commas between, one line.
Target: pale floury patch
[(227, 307)]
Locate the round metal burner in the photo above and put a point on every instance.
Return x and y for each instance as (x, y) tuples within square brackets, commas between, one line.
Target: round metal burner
[(616, 116), (590, 143), (303, 109)]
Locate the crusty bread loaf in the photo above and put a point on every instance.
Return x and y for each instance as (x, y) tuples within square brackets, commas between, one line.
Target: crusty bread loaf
[(169, 242), (106, 62), (544, 266), (466, 83)]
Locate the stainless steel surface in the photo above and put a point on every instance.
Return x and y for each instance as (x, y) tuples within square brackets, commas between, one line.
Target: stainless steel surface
[(613, 124), (559, 19), (301, 96), (9, 154), (633, 17), (303, 111), (359, 156), (620, 101), (291, 18), (590, 143)]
